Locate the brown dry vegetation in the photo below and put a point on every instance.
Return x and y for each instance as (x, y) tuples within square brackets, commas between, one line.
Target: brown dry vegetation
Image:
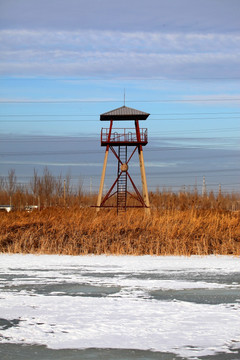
[(180, 224), (76, 231)]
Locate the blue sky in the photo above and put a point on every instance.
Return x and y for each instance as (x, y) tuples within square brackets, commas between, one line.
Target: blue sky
[(63, 63)]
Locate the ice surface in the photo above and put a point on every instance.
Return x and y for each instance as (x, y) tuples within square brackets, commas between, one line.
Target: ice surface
[(107, 302)]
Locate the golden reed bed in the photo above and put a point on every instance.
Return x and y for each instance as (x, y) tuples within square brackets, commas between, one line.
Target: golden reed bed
[(75, 231)]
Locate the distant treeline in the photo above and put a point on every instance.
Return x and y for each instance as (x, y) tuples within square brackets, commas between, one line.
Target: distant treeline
[(47, 190), (44, 191)]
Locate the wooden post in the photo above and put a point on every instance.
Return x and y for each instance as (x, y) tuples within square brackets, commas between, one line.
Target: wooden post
[(144, 181), (142, 169), (99, 200), (102, 179), (64, 192)]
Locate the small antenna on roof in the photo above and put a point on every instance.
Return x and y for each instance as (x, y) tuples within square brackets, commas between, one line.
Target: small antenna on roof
[(124, 97)]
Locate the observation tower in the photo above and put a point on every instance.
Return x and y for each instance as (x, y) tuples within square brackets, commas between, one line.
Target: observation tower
[(123, 143)]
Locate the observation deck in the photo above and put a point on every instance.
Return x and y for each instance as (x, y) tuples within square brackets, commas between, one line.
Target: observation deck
[(126, 136)]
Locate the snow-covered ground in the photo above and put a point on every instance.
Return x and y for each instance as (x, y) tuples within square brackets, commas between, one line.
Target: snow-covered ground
[(189, 306)]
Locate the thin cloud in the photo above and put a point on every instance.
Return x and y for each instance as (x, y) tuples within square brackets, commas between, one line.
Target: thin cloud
[(58, 100), (213, 100), (118, 41), (50, 163), (137, 54), (131, 15), (151, 164)]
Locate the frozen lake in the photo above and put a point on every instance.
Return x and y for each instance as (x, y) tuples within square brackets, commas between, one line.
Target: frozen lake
[(119, 307)]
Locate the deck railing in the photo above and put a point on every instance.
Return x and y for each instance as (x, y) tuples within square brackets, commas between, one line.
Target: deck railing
[(123, 136)]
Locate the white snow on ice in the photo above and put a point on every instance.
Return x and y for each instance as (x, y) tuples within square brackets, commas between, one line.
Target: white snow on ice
[(127, 318)]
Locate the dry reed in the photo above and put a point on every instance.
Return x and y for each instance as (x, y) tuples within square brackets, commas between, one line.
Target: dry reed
[(76, 231)]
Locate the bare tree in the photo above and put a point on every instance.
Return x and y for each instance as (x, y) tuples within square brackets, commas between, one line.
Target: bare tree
[(11, 183), (35, 184), (67, 184), (2, 183), (80, 188), (59, 186), (48, 185)]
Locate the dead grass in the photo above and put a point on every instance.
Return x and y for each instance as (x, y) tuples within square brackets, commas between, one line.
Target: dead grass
[(75, 231)]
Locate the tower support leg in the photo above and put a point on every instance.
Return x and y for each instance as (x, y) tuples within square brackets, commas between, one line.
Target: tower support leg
[(102, 179), (144, 181)]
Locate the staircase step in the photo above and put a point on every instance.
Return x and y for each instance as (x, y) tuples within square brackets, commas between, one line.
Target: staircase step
[(122, 181)]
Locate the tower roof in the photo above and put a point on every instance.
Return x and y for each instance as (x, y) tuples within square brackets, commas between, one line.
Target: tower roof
[(124, 113)]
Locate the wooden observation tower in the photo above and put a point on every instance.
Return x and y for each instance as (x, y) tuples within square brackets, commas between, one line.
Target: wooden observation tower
[(119, 140)]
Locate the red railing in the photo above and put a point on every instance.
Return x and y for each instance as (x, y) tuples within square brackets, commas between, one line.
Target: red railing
[(123, 136)]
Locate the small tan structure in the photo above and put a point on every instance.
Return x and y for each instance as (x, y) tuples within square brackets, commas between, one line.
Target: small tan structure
[(123, 138)]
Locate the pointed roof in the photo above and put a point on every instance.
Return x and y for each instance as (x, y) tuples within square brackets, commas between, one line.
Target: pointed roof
[(124, 113)]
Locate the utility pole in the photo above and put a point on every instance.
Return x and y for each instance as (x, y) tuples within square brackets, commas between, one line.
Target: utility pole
[(219, 190), (64, 192), (204, 189), (195, 186), (90, 186)]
